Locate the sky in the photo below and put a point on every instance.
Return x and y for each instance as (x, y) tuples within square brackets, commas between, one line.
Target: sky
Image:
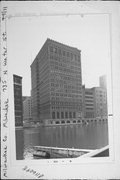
[(89, 33)]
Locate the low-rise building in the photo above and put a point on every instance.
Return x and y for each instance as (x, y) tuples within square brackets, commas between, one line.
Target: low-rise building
[(88, 102), (94, 104), (100, 102)]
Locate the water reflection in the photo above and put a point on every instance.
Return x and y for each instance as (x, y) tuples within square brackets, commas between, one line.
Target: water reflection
[(91, 136)]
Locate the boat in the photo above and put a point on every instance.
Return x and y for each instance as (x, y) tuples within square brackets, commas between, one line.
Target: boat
[(41, 154)]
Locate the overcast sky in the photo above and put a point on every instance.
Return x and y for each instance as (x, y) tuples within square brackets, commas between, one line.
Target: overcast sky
[(89, 33)]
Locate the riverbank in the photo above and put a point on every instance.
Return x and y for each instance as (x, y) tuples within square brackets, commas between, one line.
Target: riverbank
[(66, 123)]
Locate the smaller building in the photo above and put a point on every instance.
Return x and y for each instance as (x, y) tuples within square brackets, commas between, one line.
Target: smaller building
[(103, 82), (18, 103), (88, 102), (94, 104), (100, 103), (27, 118)]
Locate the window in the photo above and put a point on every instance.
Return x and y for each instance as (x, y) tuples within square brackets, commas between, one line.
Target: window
[(68, 54), (62, 115), (53, 115), (75, 57), (51, 49), (63, 53), (59, 51), (57, 122), (74, 115), (58, 115), (71, 56), (68, 121), (70, 114), (66, 114)]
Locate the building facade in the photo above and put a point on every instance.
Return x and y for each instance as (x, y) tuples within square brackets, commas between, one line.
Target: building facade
[(88, 102), (100, 103), (18, 105), (95, 103), (27, 106), (24, 97), (56, 84), (103, 82)]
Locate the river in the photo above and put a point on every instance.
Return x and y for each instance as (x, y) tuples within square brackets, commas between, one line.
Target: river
[(91, 136)]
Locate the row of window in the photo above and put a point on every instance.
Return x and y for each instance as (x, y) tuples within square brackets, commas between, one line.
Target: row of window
[(67, 95), (89, 104), (65, 70), (90, 108), (68, 90), (63, 122), (62, 115), (89, 115), (64, 84), (65, 64), (63, 108), (18, 113), (88, 97), (88, 93), (73, 103), (89, 100), (64, 53), (72, 81), (63, 95), (65, 76), (60, 76), (76, 86), (76, 97)]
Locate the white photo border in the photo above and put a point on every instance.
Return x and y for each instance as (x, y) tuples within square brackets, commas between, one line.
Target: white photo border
[(10, 131)]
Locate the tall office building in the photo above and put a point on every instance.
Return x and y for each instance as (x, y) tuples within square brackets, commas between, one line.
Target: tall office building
[(56, 84), (18, 105), (27, 110)]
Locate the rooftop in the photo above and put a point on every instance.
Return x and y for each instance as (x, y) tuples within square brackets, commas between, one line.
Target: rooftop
[(57, 43)]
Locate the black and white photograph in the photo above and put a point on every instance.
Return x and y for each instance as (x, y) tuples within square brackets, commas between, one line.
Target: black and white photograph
[(60, 88), (60, 85)]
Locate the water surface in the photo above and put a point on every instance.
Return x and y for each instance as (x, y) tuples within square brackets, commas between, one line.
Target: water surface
[(91, 136)]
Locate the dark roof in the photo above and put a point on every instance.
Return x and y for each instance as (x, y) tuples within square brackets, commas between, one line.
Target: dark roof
[(51, 40), (14, 75)]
